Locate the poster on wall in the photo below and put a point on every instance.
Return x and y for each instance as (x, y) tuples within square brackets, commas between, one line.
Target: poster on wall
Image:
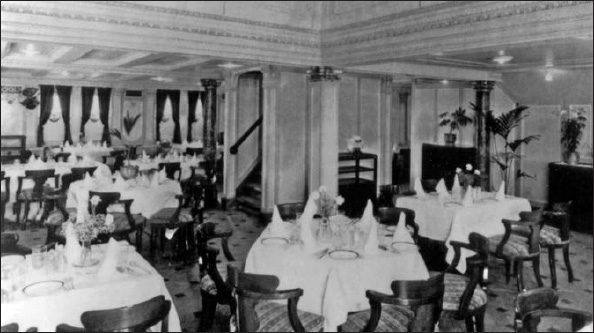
[(132, 120), (585, 148)]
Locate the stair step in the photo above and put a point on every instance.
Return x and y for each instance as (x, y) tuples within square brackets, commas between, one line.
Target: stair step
[(249, 210), (251, 201), (254, 187)]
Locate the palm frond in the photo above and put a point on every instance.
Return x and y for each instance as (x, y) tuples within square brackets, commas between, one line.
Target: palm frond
[(522, 174), (129, 122), (517, 143), (116, 133), (509, 120)]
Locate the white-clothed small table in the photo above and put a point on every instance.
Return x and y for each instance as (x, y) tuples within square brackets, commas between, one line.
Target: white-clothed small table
[(452, 221), (148, 200), (333, 288), (93, 151), (186, 165), (90, 293)]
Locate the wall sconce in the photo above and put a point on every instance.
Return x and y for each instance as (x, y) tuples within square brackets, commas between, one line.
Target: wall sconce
[(324, 73), (56, 109), (95, 108), (167, 111), (10, 94)]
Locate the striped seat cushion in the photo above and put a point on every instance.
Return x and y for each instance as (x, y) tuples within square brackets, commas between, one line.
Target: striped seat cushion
[(454, 287), (165, 214), (28, 194), (393, 319), (551, 236), (208, 285), (516, 246), (274, 317)]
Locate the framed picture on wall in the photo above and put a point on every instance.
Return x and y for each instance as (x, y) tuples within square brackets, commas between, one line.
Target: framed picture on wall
[(585, 147), (132, 119)]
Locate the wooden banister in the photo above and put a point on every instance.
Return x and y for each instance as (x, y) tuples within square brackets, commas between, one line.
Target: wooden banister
[(244, 137)]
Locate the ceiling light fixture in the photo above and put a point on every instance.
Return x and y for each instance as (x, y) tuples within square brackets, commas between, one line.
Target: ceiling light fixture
[(162, 79), (549, 77), (229, 65), (444, 81), (502, 58)]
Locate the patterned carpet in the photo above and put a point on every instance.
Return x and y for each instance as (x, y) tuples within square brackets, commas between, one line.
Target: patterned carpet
[(183, 281)]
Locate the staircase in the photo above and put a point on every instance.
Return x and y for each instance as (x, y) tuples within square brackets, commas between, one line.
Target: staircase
[(249, 193)]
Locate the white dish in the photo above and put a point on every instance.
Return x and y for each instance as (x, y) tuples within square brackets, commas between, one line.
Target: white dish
[(43, 288), (343, 255), (275, 241), (452, 204)]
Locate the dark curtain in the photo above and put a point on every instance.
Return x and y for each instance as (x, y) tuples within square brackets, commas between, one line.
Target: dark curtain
[(174, 95), (104, 95), (64, 93), (192, 103), (87, 105), (46, 94), (161, 98)]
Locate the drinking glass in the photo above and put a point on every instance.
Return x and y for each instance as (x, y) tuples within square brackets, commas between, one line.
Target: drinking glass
[(38, 256)]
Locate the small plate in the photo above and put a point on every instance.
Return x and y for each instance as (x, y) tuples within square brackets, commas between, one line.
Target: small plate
[(452, 204), (343, 255), (43, 288), (275, 241), (403, 247), (92, 263)]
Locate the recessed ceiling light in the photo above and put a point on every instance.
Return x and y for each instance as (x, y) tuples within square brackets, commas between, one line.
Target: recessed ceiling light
[(30, 50), (162, 79), (502, 58), (444, 81), (229, 65), (549, 77)]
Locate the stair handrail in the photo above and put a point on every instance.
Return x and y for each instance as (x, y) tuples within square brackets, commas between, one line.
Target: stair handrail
[(241, 140)]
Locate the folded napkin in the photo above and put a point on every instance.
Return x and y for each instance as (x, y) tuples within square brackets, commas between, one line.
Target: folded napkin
[(38, 164), (67, 144), (371, 244), (72, 159), (419, 188), (108, 266), (162, 176), (307, 237), (89, 144), (88, 180), (79, 146), (32, 159), (442, 191), (155, 180), (144, 179), (120, 184), (467, 202), (145, 157), (158, 159), (87, 160), (456, 189), (278, 227), (72, 249), (401, 234), (367, 218), (193, 159), (500, 195)]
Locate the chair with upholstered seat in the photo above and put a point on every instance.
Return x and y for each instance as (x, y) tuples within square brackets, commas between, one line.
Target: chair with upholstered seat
[(391, 216), (290, 211), (415, 306), (533, 305), (171, 169), (137, 318), (515, 247), (464, 302), (557, 236), (257, 313), (5, 198), (40, 192)]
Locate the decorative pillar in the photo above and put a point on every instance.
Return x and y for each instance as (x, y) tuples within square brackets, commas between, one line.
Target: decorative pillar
[(150, 118), (482, 137), (117, 100), (229, 160), (270, 86), (323, 129), (404, 100), (210, 123), (385, 156), (184, 109)]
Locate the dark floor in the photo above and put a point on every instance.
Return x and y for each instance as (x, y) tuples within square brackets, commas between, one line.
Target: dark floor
[(183, 282)]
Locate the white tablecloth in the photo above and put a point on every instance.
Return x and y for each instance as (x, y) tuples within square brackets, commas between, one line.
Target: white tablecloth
[(186, 166), (94, 152), (455, 222), (148, 200), (90, 293), (333, 288)]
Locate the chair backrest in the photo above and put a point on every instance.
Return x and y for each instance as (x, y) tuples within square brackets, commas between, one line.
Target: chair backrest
[(6, 181), (39, 177), (194, 151), (171, 169), (107, 199), (560, 217), (289, 211), (136, 318), (80, 172), (391, 216), (578, 318), (61, 157), (534, 218), (250, 289)]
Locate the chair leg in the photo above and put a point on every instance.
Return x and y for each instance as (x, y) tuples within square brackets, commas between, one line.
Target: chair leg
[(226, 251), (209, 309), (27, 207), (519, 265), (507, 271), (469, 324), (536, 268), (568, 263), (479, 319), (552, 267)]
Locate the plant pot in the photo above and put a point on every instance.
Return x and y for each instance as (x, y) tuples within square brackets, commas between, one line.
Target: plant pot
[(129, 171), (450, 139), (572, 158)]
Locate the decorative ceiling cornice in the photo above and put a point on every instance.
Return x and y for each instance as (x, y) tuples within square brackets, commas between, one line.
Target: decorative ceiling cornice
[(510, 9), (313, 42)]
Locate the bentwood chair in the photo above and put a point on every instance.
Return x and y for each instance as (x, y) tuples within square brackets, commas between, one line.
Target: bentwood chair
[(414, 306), (40, 192), (171, 169), (290, 211), (255, 311), (137, 318), (391, 215), (464, 302), (533, 305), (5, 197), (557, 236), (515, 248)]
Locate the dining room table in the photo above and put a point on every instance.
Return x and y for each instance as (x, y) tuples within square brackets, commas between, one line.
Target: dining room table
[(336, 279), (43, 290), (187, 163), (93, 150), (449, 220)]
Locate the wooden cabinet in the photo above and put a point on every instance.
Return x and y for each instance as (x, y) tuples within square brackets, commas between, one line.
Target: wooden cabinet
[(361, 182), (441, 161), (401, 167), (13, 148), (573, 182)]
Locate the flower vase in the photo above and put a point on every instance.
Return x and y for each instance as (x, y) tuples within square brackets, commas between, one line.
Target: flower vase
[(86, 255), (324, 231)]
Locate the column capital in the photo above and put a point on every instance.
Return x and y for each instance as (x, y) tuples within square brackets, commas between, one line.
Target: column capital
[(325, 73), (484, 86), (149, 92), (386, 86), (210, 83)]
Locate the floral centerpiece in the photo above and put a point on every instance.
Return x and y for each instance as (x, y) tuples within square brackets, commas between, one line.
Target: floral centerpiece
[(572, 127), (467, 177), (327, 205)]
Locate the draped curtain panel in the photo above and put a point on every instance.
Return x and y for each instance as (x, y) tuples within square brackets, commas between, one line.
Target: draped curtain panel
[(193, 103), (104, 95), (161, 99), (87, 104), (174, 96), (46, 94), (64, 93)]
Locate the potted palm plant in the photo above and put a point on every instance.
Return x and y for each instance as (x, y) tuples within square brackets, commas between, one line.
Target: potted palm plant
[(572, 127), (127, 170), (456, 120)]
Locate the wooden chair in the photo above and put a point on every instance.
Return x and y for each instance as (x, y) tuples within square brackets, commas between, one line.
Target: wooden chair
[(171, 169), (194, 151), (415, 306), (255, 312), (208, 231), (290, 211), (137, 318), (464, 302), (40, 192), (14, 327), (115, 159), (58, 216), (557, 237), (125, 223), (9, 245), (79, 173), (5, 196), (61, 157), (533, 305), (387, 193), (515, 248), (391, 216)]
